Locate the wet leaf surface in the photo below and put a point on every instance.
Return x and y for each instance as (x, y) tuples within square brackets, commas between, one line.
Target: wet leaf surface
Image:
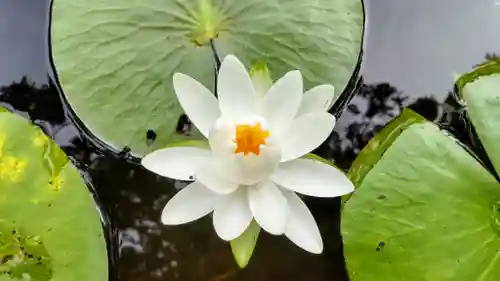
[(426, 208), (480, 90), (50, 229), (115, 59)]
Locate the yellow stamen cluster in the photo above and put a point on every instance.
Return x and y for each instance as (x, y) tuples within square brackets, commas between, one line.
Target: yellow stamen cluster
[(250, 138)]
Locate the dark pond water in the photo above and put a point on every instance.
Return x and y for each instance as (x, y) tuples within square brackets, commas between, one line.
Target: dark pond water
[(411, 50)]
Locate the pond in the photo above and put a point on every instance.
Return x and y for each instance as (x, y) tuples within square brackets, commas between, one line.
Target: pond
[(411, 50)]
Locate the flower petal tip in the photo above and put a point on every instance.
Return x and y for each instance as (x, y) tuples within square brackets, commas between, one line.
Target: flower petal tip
[(334, 120), (177, 78), (147, 162), (316, 250), (296, 74), (226, 236), (231, 58), (167, 219), (313, 247), (330, 102), (352, 185)]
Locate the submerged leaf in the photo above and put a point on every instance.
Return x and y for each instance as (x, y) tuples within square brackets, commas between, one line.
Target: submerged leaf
[(50, 229), (115, 59)]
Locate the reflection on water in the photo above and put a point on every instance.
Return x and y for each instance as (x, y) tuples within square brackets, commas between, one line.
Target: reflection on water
[(132, 198), (22, 44), (418, 45)]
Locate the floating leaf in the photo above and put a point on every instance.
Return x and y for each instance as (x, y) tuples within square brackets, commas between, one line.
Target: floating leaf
[(191, 143), (318, 158), (115, 59), (50, 229), (378, 145), (424, 211), (480, 90)]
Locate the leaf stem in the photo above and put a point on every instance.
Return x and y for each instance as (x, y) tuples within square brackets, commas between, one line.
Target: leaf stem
[(217, 64)]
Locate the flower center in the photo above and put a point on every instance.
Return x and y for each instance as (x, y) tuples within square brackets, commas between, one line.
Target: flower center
[(250, 138)]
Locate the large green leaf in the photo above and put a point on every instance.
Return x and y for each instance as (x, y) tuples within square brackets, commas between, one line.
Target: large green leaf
[(426, 210), (50, 229), (480, 90), (115, 59), (378, 145)]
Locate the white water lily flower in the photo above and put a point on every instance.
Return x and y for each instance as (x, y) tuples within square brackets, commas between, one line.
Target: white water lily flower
[(252, 169)]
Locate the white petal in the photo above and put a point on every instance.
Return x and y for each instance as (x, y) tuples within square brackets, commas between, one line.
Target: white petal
[(318, 99), (301, 228), (199, 104), (213, 178), (312, 178), (306, 133), (282, 101), (178, 163), (237, 96), (268, 206), (232, 216), (189, 204)]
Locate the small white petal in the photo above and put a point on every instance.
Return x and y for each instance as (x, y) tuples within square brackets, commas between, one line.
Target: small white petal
[(312, 178), (306, 133), (178, 163), (213, 178), (189, 204), (282, 101), (268, 206), (237, 96), (232, 216), (199, 104), (318, 99), (301, 228)]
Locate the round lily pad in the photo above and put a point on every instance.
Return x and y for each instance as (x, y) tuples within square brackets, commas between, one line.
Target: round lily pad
[(480, 91), (425, 209), (115, 59), (50, 229)]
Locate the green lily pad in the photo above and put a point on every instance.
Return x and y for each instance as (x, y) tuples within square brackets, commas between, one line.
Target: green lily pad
[(426, 210), (480, 91), (50, 229), (115, 59), (378, 145)]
